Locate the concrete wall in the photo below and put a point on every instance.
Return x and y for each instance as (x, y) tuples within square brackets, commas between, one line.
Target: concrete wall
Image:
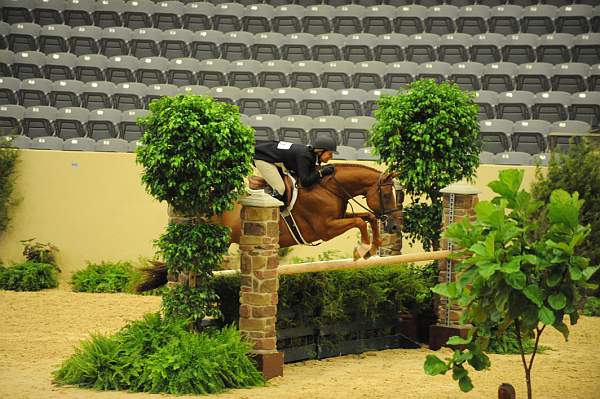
[(93, 207)]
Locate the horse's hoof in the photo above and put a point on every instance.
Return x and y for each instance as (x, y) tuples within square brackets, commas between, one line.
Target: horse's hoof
[(361, 251), (373, 250), (367, 255)]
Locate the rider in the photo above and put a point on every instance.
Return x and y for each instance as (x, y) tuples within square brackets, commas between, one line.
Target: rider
[(303, 161)]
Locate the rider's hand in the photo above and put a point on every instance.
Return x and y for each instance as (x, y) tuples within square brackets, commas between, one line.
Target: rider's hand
[(327, 170)]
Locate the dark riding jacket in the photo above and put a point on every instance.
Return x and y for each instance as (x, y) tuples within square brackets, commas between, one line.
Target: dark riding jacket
[(299, 159)]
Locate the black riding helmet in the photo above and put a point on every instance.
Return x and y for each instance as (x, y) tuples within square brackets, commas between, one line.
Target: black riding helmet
[(325, 143)]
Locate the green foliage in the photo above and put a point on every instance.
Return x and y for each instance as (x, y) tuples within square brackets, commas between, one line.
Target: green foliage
[(28, 276), (577, 171), (429, 134), (195, 153), (517, 269), (592, 307), (8, 162), (105, 277), (197, 248), (193, 304), (160, 355), (321, 299), (39, 252)]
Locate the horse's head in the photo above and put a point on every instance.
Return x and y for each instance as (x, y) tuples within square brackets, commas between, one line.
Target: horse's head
[(385, 199)]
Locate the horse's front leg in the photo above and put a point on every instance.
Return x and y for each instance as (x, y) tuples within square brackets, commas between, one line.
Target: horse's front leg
[(336, 227), (372, 220)]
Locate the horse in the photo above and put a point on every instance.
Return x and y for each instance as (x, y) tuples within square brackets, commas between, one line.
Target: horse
[(321, 213)]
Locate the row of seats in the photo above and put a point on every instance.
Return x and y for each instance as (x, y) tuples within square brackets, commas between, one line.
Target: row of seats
[(317, 19), (515, 158), (232, 46)]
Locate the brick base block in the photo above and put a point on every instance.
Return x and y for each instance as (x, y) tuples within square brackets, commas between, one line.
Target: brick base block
[(270, 364), (439, 334)]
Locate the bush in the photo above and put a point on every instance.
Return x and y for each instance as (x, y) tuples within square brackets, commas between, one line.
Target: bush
[(39, 252), (157, 355), (8, 161), (592, 307), (105, 277), (28, 276)]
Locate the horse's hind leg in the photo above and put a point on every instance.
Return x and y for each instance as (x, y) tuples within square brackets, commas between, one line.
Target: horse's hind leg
[(335, 227)]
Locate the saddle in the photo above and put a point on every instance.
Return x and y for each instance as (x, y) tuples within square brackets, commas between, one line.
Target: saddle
[(258, 183)]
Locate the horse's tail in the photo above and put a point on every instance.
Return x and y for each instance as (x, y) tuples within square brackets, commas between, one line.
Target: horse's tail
[(154, 277)]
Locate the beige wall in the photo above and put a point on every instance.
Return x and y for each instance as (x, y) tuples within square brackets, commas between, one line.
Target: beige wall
[(93, 207)]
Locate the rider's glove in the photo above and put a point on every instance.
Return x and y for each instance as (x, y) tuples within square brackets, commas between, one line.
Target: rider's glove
[(327, 170)]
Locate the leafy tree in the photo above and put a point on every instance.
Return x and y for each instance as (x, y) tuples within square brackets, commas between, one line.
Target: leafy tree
[(516, 270), (195, 153), (429, 134)]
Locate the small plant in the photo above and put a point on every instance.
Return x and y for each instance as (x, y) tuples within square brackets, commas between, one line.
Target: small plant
[(592, 307), (159, 355), (39, 252), (28, 276), (105, 277), (8, 162), (517, 270), (190, 303)]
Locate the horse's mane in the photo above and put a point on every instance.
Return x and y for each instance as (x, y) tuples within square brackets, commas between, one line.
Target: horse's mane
[(355, 165)]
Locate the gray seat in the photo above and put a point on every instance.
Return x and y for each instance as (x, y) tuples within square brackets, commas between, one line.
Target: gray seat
[(84, 40), (175, 43), (369, 75), (454, 48), (60, 66), (348, 19), (111, 145), (297, 47), (47, 12), (317, 19), (115, 41), (551, 106), (513, 158), (129, 95), (121, 69), (366, 154), (520, 48), (486, 48), (337, 75), (138, 14), (23, 37), (66, 93), (8, 90), (370, 102), (237, 45), (265, 126), (257, 18), (157, 91), (530, 136), (78, 12), (254, 100), (495, 135), (440, 19), (183, 71), (7, 58), (306, 74), (573, 18), (357, 130), (564, 132), (11, 116), (145, 42), (274, 74), (400, 74), (79, 144), (194, 90), (54, 38), (487, 100), (467, 75), (328, 47), (107, 13), (33, 92), (422, 47), (47, 143), (594, 78), (207, 44), (96, 95), (295, 128), (555, 48), (15, 11), (359, 47), (329, 126), (379, 19), (4, 31), (486, 157), (228, 17), (103, 123), (152, 70), (228, 94), (504, 19), (499, 76), (534, 77), (515, 105), (345, 152), (436, 70), (71, 122), (472, 19), (409, 19), (349, 102), (198, 16), (317, 102), (570, 77), (390, 47), (168, 15), (213, 72), (20, 141), (266, 46), (90, 67), (585, 106), (28, 64), (38, 121), (586, 48), (287, 18), (538, 19), (242, 73), (129, 128), (286, 101)]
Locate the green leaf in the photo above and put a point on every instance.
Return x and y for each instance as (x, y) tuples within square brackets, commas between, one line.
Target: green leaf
[(516, 280), (554, 277), (588, 272), (487, 269), (562, 328), (465, 384), (446, 289), (557, 301), (546, 315), (458, 373), (457, 340), (480, 361), (564, 208), (490, 214), (575, 272), (512, 266), (434, 366), (534, 294)]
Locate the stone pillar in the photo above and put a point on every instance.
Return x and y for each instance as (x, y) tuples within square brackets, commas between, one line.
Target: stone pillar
[(259, 243), (459, 203)]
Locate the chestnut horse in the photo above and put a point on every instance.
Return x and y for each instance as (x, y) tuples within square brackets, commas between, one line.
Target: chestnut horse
[(321, 213)]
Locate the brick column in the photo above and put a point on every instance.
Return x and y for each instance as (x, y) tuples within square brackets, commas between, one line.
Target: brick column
[(459, 203), (259, 243)]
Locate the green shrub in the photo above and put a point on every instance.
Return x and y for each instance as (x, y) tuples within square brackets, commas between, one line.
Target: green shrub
[(8, 161), (105, 277), (592, 307), (28, 276), (157, 355), (39, 252)]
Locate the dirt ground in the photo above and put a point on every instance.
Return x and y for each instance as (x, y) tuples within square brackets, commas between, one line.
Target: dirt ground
[(39, 330)]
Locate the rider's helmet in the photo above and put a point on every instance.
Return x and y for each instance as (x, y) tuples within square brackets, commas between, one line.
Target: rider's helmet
[(325, 143)]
